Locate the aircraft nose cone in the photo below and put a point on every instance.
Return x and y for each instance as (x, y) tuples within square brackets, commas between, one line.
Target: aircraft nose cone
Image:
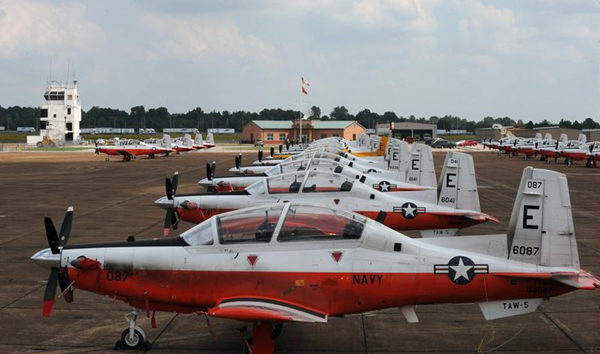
[(205, 182), (46, 259), (164, 203)]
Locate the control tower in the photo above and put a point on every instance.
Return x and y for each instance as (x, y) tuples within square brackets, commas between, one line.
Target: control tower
[(60, 115)]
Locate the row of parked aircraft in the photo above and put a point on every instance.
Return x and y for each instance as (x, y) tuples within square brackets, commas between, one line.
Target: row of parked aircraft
[(316, 235), (131, 148), (549, 149)]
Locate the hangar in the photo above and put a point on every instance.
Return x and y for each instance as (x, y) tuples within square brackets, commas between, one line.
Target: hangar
[(419, 131), (278, 132), (592, 134), (556, 131)]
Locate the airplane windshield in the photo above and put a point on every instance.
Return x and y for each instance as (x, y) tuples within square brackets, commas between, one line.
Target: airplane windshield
[(313, 223), (257, 188), (200, 235), (251, 226), (325, 182), (285, 183)]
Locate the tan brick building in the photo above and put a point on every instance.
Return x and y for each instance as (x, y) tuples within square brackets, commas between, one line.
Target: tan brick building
[(277, 132)]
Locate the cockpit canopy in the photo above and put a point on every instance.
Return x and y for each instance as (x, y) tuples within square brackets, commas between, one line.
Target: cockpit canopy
[(302, 182), (278, 223)]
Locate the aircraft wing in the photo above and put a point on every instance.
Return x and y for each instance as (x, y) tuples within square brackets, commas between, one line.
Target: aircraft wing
[(253, 309), (124, 153)]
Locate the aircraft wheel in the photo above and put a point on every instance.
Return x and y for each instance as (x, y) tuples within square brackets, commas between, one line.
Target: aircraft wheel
[(547, 161), (588, 164), (568, 162), (277, 329), (525, 158), (133, 343), (542, 158)]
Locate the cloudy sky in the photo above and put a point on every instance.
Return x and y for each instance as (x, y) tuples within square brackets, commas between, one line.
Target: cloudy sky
[(534, 59)]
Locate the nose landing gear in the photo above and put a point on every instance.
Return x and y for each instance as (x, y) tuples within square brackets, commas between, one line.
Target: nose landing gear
[(133, 337)]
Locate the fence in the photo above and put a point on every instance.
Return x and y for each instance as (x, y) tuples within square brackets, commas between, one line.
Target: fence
[(24, 147)]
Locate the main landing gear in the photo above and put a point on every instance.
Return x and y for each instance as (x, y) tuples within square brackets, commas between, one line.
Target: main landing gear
[(591, 162), (133, 337), (264, 334)]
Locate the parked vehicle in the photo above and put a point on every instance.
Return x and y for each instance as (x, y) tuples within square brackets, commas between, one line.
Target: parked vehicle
[(466, 143), (443, 144), (259, 143)]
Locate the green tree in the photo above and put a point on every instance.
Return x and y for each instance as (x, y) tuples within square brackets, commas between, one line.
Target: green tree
[(315, 112), (339, 113)]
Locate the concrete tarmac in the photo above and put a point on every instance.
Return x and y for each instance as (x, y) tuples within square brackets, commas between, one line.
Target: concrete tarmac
[(113, 200)]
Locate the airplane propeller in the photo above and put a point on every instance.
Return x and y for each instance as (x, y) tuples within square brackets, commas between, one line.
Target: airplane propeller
[(56, 241), (272, 150), (238, 161), (96, 150), (171, 218), (280, 148), (260, 155), (556, 153)]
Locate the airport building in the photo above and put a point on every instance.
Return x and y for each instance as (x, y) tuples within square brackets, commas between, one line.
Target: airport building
[(278, 132), (556, 132), (60, 115), (592, 134), (418, 131)]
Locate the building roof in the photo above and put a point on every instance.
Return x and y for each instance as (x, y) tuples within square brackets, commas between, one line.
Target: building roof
[(274, 124), (413, 125), (331, 124), (315, 124)]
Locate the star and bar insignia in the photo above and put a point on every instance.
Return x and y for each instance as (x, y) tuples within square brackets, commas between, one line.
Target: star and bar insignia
[(384, 186), (409, 210), (461, 270)]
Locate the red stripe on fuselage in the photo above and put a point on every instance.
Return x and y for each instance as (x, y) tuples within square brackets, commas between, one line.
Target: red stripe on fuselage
[(329, 293)]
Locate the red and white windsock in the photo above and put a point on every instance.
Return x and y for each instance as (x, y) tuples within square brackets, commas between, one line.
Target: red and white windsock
[(304, 91)]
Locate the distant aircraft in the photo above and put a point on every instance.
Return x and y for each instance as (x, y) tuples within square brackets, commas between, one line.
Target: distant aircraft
[(131, 148), (456, 206), (302, 262)]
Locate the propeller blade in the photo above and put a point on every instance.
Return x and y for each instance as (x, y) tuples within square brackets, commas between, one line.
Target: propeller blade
[(65, 229), (272, 150), (208, 172), (287, 146), (50, 293), (280, 148), (51, 235), (168, 222), (213, 169), (591, 148), (237, 162), (260, 155), (175, 182), (64, 284), (240, 155), (169, 188)]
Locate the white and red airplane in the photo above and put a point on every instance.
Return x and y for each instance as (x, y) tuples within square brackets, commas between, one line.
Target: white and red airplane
[(301, 262), (407, 171), (583, 152), (186, 144), (210, 141), (129, 149), (456, 206), (198, 143)]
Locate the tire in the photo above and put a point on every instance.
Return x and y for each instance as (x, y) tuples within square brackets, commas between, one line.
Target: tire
[(139, 339)]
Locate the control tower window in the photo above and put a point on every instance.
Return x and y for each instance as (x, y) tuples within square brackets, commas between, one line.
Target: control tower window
[(69, 111), (43, 124), (43, 113)]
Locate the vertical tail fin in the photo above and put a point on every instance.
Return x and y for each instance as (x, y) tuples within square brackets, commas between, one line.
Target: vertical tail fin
[(383, 142), (388, 150), (538, 136), (210, 138), (582, 138), (548, 136), (187, 140), (167, 140), (420, 169), (563, 138), (399, 158), (458, 186), (541, 228), (198, 139)]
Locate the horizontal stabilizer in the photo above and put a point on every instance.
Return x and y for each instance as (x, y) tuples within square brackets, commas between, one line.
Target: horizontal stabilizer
[(507, 308), (582, 280), (438, 233)]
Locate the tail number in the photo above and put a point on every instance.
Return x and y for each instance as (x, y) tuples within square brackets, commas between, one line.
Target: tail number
[(447, 200), (523, 250), (112, 275)]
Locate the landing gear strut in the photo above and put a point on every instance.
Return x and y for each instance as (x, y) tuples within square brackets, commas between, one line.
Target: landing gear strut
[(263, 337), (133, 337)]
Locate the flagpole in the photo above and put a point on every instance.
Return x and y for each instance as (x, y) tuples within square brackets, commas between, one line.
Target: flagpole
[(300, 118)]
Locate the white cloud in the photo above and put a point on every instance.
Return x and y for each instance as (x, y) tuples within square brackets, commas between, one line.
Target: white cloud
[(206, 37), (488, 28), (45, 27)]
